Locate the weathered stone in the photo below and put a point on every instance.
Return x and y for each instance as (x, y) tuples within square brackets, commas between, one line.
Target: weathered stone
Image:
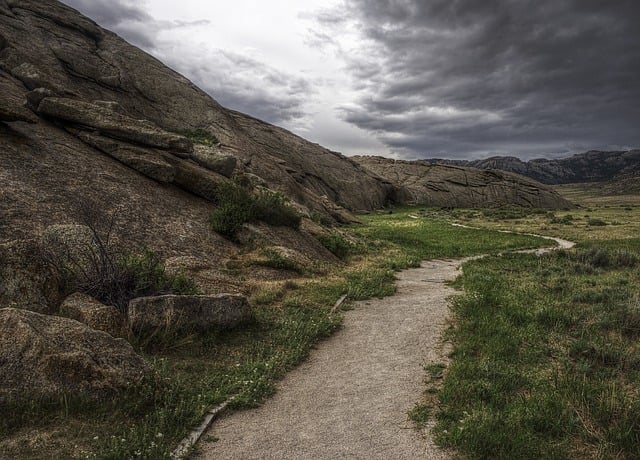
[(207, 157), (188, 313), (34, 77), (89, 311), (12, 103), (146, 161), (50, 355), (196, 179), (86, 63), (69, 245), (26, 281), (34, 97), (112, 123), (457, 186)]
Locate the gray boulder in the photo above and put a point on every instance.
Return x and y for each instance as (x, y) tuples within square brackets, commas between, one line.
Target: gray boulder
[(42, 355), (187, 313), (89, 311)]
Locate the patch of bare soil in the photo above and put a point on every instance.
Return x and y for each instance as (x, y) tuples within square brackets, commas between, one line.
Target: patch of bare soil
[(350, 398)]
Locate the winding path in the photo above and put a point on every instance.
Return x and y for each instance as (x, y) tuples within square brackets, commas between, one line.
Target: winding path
[(350, 399)]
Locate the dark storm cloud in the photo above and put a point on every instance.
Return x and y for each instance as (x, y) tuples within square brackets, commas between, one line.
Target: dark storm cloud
[(246, 84), (463, 77)]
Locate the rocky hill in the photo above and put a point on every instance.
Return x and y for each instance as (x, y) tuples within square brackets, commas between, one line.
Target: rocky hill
[(592, 166), (88, 121), (459, 186)]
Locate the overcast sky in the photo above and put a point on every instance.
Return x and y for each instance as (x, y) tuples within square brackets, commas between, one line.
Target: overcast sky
[(408, 78)]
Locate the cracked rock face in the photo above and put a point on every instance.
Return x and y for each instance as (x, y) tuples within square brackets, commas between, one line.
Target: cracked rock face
[(457, 186)]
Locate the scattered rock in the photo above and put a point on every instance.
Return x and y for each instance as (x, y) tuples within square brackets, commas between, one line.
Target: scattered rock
[(112, 123), (34, 77), (94, 314), (49, 355), (34, 97), (12, 103), (187, 313)]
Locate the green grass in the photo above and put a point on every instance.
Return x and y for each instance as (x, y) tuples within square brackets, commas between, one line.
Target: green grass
[(424, 238), (545, 361)]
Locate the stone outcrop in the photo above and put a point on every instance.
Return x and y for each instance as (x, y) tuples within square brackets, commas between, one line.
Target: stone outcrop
[(457, 186), (42, 355), (186, 313), (89, 311), (112, 123)]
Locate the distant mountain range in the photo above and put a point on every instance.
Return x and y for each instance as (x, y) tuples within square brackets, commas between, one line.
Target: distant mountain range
[(592, 166)]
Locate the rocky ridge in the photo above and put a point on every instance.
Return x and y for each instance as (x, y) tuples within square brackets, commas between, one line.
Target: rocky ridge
[(457, 186), (592, 166)]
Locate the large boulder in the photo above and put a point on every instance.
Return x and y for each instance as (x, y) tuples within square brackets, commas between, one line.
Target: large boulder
[(187, 313), (42, 355), (89, 311)]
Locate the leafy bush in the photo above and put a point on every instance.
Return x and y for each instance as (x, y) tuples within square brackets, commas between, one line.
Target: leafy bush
[(271, 207), (594, 222), (237, 206)]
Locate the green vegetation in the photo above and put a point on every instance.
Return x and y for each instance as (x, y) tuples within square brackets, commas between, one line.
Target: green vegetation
[(338, 244), (200, 136), (545, 362), (114, 276), (236, 206)]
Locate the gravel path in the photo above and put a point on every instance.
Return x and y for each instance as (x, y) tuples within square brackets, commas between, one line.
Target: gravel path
[(350, 399)]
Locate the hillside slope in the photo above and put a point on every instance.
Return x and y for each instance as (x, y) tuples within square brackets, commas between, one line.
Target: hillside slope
[(93, 98)]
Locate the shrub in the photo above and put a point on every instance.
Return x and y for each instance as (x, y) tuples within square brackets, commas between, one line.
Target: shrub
[(337, 244), (237, 206), (593, 222), (271, 207), (200, 136), (107, 272)]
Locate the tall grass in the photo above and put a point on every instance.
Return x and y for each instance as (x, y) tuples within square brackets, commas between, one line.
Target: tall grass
[(546, 360)]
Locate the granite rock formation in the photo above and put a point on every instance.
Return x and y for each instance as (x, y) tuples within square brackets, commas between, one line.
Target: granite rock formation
[(456, 186)]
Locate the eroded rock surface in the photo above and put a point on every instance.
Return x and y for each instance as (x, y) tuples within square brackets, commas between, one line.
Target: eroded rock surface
[(49, 355), (89, 311), (457, 186)]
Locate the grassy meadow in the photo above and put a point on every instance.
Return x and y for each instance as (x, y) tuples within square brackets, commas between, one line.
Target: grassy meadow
[(546, 357)]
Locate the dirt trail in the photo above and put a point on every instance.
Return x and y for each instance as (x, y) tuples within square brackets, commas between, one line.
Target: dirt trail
[(350, 398)]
